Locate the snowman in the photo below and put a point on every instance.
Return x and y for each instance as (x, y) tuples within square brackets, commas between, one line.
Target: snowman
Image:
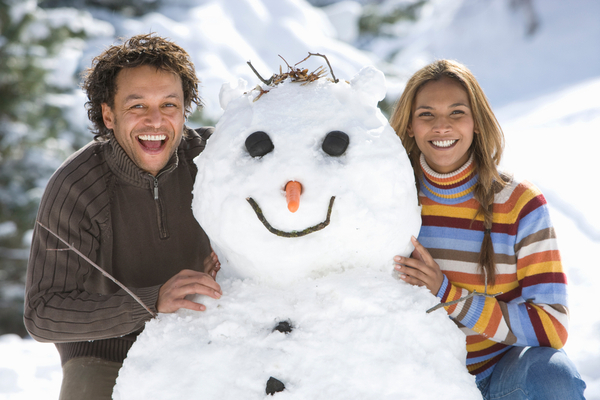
[(306, 194)]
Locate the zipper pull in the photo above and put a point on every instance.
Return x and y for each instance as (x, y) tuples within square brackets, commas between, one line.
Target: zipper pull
[(155, 189)]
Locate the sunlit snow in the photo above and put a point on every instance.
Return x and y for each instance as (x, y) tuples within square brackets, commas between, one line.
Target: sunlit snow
[(543, 87)]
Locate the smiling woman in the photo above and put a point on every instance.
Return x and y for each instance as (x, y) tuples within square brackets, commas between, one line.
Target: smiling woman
[(442, 124), (487, 248)]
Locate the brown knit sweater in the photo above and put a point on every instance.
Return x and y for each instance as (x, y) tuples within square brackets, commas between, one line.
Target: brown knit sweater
[(138, 228)]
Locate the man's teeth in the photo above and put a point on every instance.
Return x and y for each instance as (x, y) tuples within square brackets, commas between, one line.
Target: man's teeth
[(443, 143), (153, 137)]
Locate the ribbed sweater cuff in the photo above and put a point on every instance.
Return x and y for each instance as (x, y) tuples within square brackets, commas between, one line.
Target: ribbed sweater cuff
[(149, 297), (441, 294), (106, 349)]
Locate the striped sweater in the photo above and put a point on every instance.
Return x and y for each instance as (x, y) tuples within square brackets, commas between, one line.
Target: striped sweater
[(532, 309)]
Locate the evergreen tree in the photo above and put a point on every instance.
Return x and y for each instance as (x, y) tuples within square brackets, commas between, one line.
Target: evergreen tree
[(125, 7), (35, 137)]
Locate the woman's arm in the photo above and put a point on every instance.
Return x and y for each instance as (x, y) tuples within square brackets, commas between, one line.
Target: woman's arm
[(533, 311)]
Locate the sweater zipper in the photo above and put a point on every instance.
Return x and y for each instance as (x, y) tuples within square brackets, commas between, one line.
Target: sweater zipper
[(162, 226)]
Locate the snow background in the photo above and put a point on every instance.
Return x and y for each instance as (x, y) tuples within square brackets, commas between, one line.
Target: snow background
[(543, 88)]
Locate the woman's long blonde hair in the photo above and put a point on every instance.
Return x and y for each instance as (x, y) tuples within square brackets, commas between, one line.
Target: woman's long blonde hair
[(486, 148)]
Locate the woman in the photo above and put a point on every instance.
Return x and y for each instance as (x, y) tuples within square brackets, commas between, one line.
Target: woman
[(487, 245)]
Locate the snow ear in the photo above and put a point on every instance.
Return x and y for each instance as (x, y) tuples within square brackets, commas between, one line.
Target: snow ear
[(370, 83), (229, 92)]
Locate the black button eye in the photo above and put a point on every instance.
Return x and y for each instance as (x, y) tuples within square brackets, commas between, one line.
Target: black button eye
[(258, 144), (336, 143)]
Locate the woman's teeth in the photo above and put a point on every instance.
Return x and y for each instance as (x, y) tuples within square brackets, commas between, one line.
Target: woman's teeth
[(443, 143), (152, 137)]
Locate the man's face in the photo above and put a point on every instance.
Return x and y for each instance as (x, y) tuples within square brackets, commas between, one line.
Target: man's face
[(148, 116)]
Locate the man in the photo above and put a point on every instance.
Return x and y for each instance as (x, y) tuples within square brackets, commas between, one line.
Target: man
[(124, 201)]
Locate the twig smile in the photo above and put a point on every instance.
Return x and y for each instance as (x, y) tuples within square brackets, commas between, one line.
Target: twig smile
[(292, 234)]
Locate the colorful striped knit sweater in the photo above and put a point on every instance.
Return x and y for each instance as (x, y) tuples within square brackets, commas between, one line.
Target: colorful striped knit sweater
[(532, 309)]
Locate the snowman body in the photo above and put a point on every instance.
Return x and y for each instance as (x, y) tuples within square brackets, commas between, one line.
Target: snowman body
[(351, 329)]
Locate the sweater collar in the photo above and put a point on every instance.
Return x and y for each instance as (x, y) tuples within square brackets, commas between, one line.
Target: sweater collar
[(452, 188), (125, 169)]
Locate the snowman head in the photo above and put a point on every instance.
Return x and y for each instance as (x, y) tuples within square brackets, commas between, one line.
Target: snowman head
[(329, 145)]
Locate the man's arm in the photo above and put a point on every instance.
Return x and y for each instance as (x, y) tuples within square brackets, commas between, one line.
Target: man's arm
[(58, 305)]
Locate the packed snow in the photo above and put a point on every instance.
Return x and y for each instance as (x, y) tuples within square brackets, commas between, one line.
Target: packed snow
[(543, 88)]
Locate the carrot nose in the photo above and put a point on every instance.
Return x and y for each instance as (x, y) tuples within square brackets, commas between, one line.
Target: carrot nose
[(293, 190)]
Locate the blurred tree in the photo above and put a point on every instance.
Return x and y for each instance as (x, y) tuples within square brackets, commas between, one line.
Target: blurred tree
[(532, 20), (376, 19), (35, 136), (125, 7)]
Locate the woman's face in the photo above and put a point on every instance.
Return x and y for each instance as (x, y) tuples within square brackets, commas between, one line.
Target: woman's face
[(442, 124)]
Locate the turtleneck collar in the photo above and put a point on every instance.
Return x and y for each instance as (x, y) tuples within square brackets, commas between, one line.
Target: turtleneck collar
[(125, 169), (452, 188)]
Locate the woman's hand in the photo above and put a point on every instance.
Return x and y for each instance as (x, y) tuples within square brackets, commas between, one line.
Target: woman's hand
[(421, 270)]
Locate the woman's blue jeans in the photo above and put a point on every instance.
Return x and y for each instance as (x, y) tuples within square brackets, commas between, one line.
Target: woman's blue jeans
[(531, 373)]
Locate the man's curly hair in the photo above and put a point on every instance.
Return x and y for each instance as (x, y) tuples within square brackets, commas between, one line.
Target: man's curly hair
[(99, 81)]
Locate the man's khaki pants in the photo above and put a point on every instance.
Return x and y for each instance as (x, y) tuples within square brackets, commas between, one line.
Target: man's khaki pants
[(88, 378)]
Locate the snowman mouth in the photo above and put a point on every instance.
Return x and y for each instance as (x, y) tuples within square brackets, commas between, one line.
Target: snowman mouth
[(292, 234)]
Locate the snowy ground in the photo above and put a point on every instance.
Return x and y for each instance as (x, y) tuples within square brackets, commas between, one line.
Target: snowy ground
[(544, 90)]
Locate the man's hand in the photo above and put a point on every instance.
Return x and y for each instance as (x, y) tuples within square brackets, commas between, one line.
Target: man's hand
[(171, 296), (421, 270), (212, 265)]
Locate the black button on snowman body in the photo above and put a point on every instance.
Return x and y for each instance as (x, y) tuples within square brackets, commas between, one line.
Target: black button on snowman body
[(274, 385)]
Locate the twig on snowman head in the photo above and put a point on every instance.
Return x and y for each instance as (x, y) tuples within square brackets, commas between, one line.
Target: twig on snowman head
[(335, 80), (260, 77), (294, 73), (103, 272), (297, 74)]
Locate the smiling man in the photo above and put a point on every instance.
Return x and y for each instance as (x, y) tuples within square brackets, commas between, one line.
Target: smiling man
[(124, 201), (147, 116)]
